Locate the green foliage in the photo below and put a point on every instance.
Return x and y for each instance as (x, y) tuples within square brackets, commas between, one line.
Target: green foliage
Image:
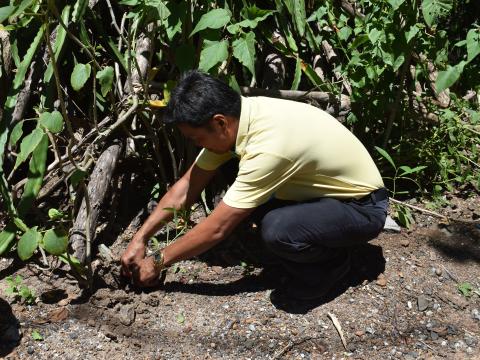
[(36, 335), (55, 241), (28, 243), (80, 75), (384, 61), (52, 121), (105, 77), (465, 289), (19, 291)]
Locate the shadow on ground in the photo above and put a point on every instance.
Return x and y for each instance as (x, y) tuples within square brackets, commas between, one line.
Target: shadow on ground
[(9, 329), (458, 242), (367, 263)]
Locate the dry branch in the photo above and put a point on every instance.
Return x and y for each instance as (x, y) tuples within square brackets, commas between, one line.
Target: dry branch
[(97, 190), (342, 102)]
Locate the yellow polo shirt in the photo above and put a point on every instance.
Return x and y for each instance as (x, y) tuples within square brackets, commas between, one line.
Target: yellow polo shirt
[(293, 151)]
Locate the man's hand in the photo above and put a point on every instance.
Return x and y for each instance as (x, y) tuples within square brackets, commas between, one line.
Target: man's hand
[(132, 258), (148, 275)]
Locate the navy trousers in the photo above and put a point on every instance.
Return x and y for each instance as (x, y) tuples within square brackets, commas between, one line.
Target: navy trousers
[(311, 237)]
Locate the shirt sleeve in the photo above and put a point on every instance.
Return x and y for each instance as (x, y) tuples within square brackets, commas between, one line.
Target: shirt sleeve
[(208, 160), (259, 176)]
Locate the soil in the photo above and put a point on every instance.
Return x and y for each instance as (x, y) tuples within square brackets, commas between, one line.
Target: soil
[(400, 301)]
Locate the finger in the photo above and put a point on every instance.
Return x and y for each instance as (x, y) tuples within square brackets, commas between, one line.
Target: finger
[(135, 274)]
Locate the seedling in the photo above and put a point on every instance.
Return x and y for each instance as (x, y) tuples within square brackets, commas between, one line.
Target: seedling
[(20, 291), (36, 336), (465, 289)]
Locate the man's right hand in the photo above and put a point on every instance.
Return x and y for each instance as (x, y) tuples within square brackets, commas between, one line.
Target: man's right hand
[(132, 257)]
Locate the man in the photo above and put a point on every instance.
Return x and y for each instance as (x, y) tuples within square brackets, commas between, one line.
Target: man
[(310, 184)]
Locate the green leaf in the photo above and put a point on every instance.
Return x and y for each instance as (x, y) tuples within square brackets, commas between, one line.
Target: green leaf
[(407, 170), (374, 35), (465, 289), (180, 318), (36, 336), (26, 61), (386, 156), (213, 52), (7, 236), (433, 10), (20, 9), (28, 145), (28, 244), (359, 40), (20, 224), (396, 3), (5, 12), (79, 10), (17, 133), (411, 33), (80, 75), (59, 42), (345, 33), (55, 214), (298, 74), (77, 176), (299, 16), (473, 44), (398, 62), (311, 74), (214, 19), (244, 51), (52, 121), (448, 77), (253, 15), (73, 262), (105, 78), (55, 241), (36, 170)]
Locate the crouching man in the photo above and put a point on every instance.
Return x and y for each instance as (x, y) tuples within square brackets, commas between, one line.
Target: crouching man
[(309, 182)]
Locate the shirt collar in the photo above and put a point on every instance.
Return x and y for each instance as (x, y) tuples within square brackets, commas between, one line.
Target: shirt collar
[(243, 126)]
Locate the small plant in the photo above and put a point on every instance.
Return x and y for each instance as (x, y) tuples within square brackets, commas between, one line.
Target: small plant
[(36, 335), (465, 289), (248, 268), (20, 291), (402, 213)]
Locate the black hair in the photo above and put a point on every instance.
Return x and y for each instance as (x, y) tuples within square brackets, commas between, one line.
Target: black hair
[(198, 97)]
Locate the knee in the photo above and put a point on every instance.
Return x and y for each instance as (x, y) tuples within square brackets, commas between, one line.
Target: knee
[(273, 227)]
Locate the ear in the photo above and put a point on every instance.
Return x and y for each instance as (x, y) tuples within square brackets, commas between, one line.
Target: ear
[(220, 121)]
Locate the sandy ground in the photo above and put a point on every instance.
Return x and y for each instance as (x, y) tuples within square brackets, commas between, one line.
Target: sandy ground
[(400, 301)]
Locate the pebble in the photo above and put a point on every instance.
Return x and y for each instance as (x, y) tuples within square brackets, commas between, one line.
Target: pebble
[(438, 272), (434, 335), (469, 340), (30, 350), (127, 315), (369, 330), (476, 314), (73, 336), (404, 242), (423, 303), (381, 280), (251, 327)]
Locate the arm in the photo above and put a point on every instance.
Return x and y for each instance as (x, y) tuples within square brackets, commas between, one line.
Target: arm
[(202, 237), (185, 191)]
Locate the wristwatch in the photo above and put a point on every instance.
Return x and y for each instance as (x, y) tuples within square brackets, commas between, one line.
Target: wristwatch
[(158, 260)]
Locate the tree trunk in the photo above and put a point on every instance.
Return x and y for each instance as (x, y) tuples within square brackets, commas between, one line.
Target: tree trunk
[(97, 190)]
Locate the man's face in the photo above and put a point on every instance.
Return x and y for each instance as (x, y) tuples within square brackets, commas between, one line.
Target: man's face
[(216, 137)]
